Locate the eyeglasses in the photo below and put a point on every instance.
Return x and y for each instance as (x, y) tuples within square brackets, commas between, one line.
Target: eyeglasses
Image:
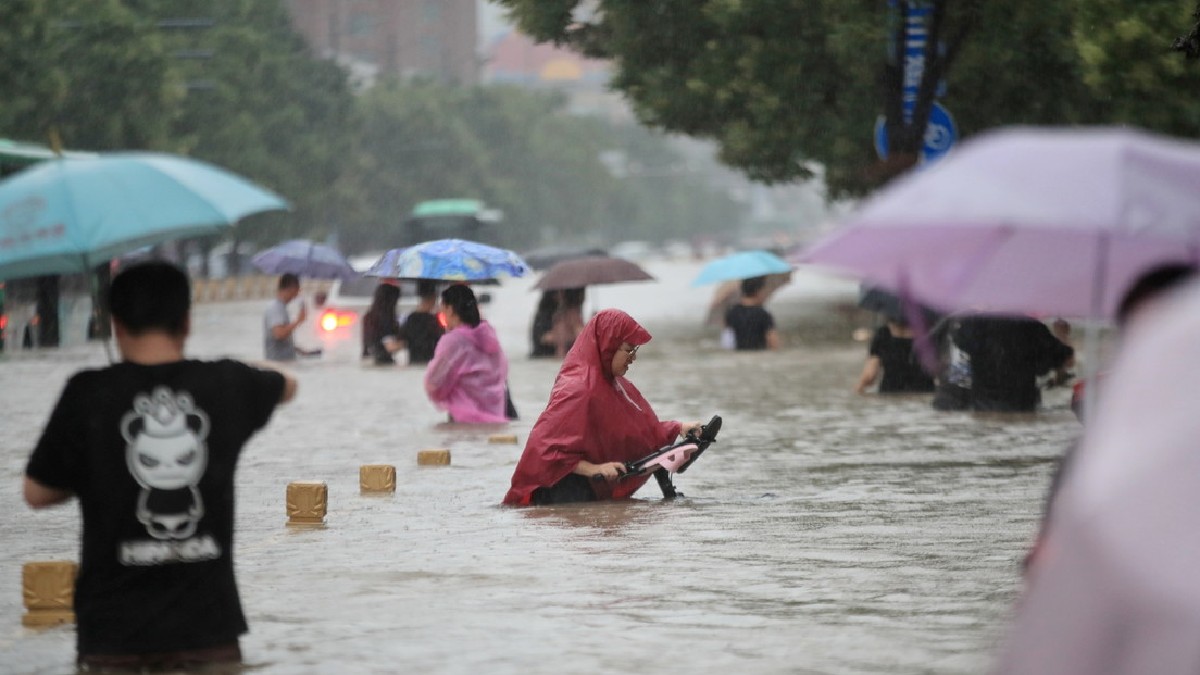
[(632, 350)]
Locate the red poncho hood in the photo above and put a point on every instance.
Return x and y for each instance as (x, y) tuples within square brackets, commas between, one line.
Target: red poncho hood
[(592, 415)]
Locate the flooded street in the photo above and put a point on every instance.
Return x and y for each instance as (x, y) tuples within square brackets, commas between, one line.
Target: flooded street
[(824, 533)]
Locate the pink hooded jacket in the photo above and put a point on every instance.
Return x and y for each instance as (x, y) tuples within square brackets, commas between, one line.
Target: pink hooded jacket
[(467, 375)]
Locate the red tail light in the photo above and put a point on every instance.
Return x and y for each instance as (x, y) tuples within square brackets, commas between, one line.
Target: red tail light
[(332, 320)]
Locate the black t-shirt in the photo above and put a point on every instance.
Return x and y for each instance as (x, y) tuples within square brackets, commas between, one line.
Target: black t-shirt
[(1007, 355), (902, 372), (750, 324), (150, 452), (421, 331)]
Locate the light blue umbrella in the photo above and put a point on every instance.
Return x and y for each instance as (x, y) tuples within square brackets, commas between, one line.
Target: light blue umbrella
[(68, 215), (449, 260), (742, 265), (305, 259)]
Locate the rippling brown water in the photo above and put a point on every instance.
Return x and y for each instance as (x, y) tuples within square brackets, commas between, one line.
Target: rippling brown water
[(824, 533)]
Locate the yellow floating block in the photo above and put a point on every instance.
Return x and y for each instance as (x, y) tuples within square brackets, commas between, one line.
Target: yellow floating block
[(306, 502), (48, 588), (377, 478), (509, 439), (433, 457)]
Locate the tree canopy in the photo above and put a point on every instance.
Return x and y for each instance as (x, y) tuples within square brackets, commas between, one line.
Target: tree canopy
[(782, 84), (519, 152), (97, 73), (228, 81)]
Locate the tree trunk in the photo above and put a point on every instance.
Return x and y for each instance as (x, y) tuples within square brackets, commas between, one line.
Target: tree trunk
[(100, 324)]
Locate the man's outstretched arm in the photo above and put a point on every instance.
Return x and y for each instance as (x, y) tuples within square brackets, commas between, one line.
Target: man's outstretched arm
[(40, 496)]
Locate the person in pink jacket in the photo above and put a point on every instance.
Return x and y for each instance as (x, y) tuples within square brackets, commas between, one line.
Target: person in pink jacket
[(468, 372)]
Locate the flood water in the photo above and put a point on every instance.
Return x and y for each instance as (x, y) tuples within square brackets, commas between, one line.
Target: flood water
[(824, 533)]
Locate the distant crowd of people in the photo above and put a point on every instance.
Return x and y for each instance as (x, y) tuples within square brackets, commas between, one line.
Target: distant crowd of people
[(968, 362), (465, 369)]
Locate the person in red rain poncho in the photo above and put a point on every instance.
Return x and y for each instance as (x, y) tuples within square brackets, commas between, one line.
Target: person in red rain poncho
[(595, 422)]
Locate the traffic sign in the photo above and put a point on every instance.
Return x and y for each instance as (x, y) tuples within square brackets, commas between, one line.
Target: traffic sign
[(940, 134)]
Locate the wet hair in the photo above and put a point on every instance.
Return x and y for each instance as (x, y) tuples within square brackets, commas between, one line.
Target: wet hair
[(426, 288), (548, 303), (462, 299), (151, 296), (383, 301), (1151, 283), (289, 280), (753, 285), (573, 297)]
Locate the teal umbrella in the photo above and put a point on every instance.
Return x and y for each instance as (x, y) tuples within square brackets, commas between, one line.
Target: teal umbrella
[(70, 214), (18, 154), (741, 265)]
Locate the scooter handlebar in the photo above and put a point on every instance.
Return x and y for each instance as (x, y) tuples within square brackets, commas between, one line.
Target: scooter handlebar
[(708, 432)]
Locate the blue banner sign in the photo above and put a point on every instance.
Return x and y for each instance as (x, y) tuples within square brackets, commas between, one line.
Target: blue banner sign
[(916, 35), (940, 134)]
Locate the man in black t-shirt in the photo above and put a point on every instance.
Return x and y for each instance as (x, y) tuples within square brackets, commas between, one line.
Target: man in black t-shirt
[(753, 326), (149, 446), (421, 329)]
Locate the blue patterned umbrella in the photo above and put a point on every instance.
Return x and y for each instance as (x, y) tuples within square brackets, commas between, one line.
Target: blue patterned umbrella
[(449, 260), (306, 259)]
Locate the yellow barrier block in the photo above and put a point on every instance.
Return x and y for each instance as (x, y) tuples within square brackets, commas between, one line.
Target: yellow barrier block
[(506, 439), (48, 588), (200, 290), (377, 478), (433, 457), (306, 502)]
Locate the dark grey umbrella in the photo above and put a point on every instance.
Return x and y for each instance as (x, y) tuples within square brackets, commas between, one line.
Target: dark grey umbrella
[(591, 271)]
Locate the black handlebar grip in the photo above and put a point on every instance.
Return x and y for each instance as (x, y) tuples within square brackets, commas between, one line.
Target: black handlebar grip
[(709, 432)]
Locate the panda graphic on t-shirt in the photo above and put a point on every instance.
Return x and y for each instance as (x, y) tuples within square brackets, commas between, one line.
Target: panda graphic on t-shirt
[(165, 451)]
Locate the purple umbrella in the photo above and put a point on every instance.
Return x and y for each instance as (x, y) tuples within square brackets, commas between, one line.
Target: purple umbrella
[(1055, 222), (305, 259)]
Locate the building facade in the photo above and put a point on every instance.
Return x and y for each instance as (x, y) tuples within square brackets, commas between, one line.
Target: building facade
[(433, 39)]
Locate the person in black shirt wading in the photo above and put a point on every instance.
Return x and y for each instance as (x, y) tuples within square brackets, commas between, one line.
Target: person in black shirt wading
[(149, 446), (422, 329), (891, 355), (752, 326)]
